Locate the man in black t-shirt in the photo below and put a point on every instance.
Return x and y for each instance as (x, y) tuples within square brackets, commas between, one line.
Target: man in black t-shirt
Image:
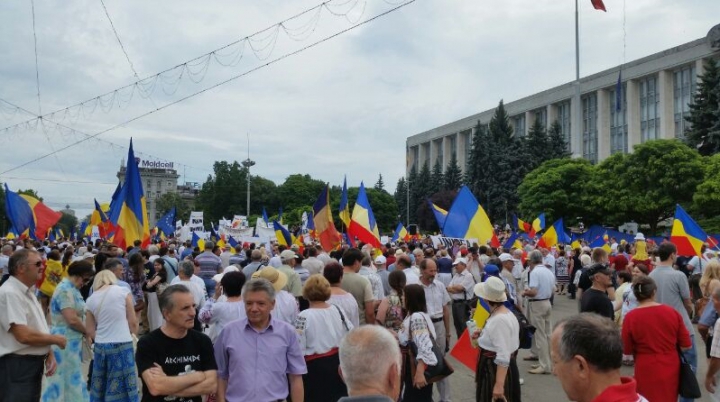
[(174, 360), (595, 299)]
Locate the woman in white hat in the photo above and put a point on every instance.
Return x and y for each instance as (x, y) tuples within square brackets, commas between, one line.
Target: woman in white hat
[(497, 375)]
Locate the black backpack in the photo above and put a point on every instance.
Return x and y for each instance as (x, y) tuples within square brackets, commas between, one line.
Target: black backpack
[(527, 331)]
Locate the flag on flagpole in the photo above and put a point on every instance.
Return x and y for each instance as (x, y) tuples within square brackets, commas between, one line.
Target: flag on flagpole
[(284, 238), (18, 212), (344, 206), (197, 242), (131, 212), (166, 224), (520, 224), (686, 234), (467, 219), (440, 214), (362, 223), (554, 235), (323, 222), (513, 241), (400, 233), (599, 5), (537, 225), (44, 217)]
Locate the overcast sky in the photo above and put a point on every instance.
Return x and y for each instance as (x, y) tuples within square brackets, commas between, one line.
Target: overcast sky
[(344, 107)]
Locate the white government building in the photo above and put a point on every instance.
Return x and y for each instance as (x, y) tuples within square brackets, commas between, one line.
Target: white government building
[(656, 92)]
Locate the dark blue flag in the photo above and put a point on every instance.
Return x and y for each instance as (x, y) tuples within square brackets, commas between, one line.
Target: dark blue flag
[(167, 223)]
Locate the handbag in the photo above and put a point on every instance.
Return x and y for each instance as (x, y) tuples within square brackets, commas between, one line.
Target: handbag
[(432, 373), (689, 386)]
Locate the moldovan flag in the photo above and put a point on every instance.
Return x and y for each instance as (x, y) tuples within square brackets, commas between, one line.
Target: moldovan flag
[(344, 206), (400, 233), (18, 212), (466, 219), (598, 5), (131, 212), (44, 217), (439, 213), (362, 224), (554, 235), (323, 221), (463, 350), (686, 235), (284, 238), (537, 225)]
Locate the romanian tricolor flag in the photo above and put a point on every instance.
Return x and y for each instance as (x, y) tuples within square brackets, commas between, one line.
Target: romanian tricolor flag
[(197, 242), (400, 233), (131, 213), (439, 213), (19, 212), (598, 5), (310, 225), (100, 219), (513, 242), (686, 234), (520, 224), (537, 225), (554, 235), (344, 206), (323, 221), (362, 224), (284, 238), (44, 217), (466, 219), (463, 350)]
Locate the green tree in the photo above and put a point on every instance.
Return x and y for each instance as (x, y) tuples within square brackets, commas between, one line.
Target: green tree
[(169, 200), (223, 194), (380, 184), (557, 188), (411, 182), (557, 145), (401, 199), (537, 146), (647, 184), (67, 223), (426, 217), (263, 193), (453, 175), (437, 179), (704, 111), (706, 200), (421, 188), (299, 190), (31, 193), (500, 129)]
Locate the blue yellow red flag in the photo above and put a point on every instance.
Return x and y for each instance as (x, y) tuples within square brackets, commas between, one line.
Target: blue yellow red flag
[(131, 212), (467, 219), (538, 225), (45, 218), (197, 242), (323, 222), (553, 235), (686, 234), (400, 233), (362, 224), (344, 205), (19, 212)]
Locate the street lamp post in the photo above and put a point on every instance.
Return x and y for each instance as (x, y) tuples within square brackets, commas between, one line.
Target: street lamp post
[(247, 163)]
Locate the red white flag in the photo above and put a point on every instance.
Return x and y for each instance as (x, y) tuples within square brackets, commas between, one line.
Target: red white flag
[(598, 4)]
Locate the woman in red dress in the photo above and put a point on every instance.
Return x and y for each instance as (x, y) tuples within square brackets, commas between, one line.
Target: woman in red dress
[(651, 333)]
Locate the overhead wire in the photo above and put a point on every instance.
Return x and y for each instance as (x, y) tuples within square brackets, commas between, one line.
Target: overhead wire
[(226, 81), (256, 40)]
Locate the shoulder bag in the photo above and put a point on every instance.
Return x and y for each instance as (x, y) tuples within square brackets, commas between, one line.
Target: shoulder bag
[(432, 373), (689, 386)]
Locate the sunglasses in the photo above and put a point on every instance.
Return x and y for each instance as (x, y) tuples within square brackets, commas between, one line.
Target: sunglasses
[(37, 264)]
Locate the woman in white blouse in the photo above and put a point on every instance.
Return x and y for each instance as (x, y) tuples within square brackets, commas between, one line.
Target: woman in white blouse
[(321, 329), (497, 375), (417, 328), (217, 312)]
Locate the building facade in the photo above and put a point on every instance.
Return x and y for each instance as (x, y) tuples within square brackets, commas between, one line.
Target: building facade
[(653, 103), (159, 178)]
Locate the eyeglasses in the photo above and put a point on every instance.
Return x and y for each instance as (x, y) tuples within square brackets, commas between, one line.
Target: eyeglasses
[(37, 264)]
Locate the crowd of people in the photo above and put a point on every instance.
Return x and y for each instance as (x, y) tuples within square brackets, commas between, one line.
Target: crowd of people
[(271, 323)]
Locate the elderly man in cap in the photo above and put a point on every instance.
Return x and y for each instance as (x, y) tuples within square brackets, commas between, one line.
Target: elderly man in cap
[(595, 299), (24, 336), (259, 356), (383, 273), (506, 273), (294, 284), (461, 290)]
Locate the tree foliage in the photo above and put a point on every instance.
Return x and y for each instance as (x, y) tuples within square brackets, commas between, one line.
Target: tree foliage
[(380, 184), (707, 196), (169, 200), (299, 190), (401, 199), (453, 175), (705, 113), (437, 178), (67, 223)]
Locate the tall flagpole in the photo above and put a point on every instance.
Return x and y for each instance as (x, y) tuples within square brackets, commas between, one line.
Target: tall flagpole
[(577, 117)]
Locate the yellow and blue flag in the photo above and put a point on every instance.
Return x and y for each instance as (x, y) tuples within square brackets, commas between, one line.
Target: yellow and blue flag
[(131, 212), (362, 224), (467, 219), (554, 235), (344, 206), (537, 225), (19, 212), (439, 213), (513, 241), (284, 238), (400, 233), (197, 242)]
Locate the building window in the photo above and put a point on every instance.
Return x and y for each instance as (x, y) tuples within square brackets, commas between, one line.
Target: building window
[(519, 121), (148, 184), (467, 136), (649, 104), (426, 154), (563, 117), (618, 121), (685, 82), (453, 146), (590, 139), (169, 184), (416, 156), (541, 116)]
